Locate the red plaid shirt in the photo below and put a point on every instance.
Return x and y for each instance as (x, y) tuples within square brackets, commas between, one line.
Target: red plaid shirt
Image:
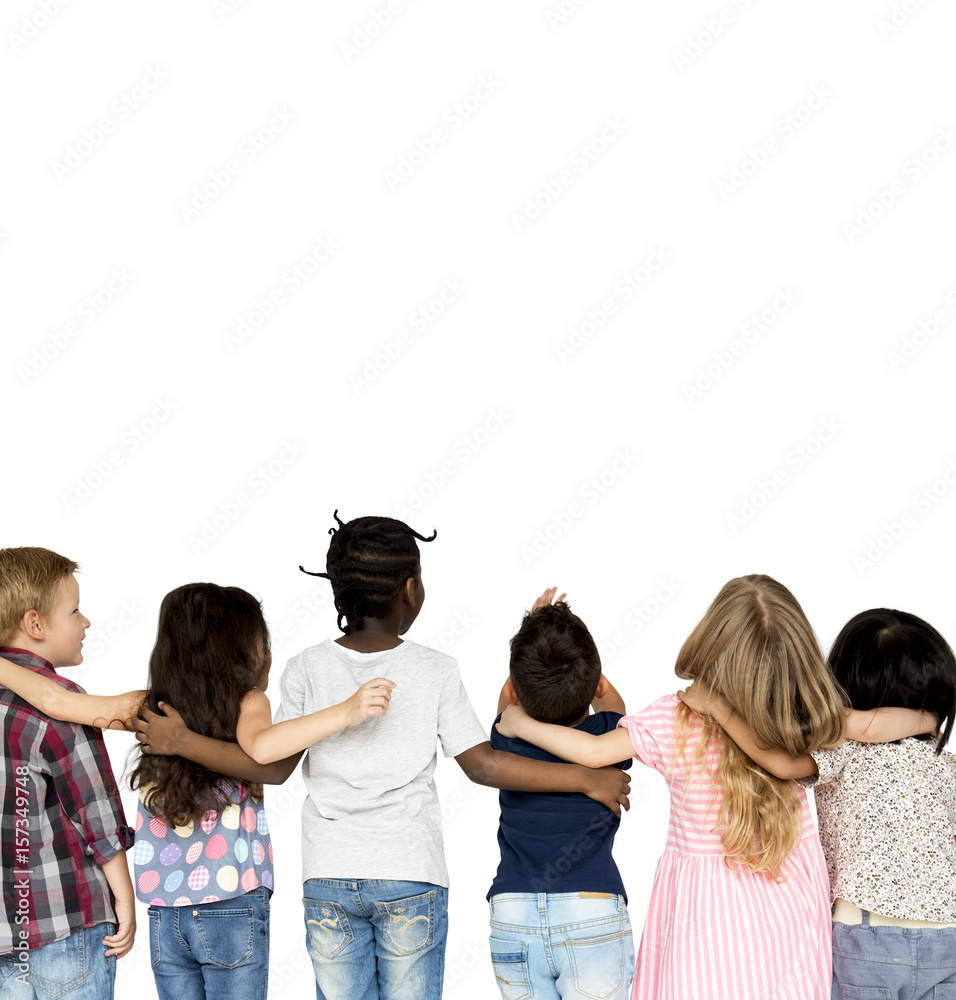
[(61, 820)]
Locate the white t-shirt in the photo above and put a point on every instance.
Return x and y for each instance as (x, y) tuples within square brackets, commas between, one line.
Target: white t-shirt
[(372, 810)]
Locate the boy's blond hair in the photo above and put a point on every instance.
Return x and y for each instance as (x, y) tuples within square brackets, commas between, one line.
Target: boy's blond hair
[(29, 578)]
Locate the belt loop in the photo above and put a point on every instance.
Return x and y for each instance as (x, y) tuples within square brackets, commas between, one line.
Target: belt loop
[(865, 923)]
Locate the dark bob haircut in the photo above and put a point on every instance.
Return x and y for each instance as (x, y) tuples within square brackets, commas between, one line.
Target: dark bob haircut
[(891, 658), (555, 666)]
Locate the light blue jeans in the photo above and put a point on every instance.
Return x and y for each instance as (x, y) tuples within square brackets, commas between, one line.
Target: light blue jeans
[(75, 968), (212, 951), (561, 946), (376, 938), (884, 963)]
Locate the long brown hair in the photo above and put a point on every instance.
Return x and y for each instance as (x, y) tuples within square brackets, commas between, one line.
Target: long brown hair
[(755, 646), (208, 655)]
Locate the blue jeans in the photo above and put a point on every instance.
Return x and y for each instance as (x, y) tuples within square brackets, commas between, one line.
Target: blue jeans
[(371, 938), (883, 963), (212, 951), (76, 968), (563, 945)]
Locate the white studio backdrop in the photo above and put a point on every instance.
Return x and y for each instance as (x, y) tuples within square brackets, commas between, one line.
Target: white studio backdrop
[(630, 298)]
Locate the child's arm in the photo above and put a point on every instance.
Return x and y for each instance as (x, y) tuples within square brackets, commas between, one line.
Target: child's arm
[(881, 725), (117, 875), (568, 744), (265, 742), (486, 766), (52, 699), (168, 735), (699, 698), (887, 725)]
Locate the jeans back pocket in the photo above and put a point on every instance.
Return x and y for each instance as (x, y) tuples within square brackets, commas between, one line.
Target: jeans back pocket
[(328, 926), (509, 959), (228, 936), (409, 923)]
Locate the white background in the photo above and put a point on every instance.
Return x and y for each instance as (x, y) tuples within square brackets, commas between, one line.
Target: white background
[(783, 165)]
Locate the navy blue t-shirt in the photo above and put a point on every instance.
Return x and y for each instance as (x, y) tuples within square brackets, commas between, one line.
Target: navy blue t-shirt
[(556, 842)]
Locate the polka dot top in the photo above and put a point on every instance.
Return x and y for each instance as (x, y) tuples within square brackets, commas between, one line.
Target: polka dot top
[(887, 815), (227, 854)]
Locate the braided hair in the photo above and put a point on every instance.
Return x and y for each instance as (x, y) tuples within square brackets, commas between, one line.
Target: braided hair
[(369, 559)]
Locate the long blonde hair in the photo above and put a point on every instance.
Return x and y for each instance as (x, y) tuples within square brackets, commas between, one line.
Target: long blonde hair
[(755, 646)]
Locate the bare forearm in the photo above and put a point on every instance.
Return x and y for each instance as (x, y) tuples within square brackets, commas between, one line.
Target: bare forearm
[(498, 769), (776, 762), (58, 702), (886, 725), (232, 761), (576, 746), (116, 871), (282, 739)]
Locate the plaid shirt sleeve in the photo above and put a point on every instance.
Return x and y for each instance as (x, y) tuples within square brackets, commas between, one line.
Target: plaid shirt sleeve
[(76, 760)]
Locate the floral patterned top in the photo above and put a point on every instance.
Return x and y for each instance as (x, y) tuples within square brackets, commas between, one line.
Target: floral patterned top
[(228, 853), (887, 814)]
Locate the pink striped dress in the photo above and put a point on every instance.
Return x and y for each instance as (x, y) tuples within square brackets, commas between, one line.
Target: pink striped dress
[(711, 933)]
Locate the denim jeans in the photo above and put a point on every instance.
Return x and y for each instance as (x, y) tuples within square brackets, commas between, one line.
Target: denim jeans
[(75, 968), (212, 951), (559, 946), (884, 963), (372, 938)]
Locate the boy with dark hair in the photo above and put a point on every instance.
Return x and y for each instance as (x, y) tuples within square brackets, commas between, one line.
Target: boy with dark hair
[(559, 922), (62, 830)]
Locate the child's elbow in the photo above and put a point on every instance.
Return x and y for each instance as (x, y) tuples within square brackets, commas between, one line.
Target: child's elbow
[(258, 751), (54, 705), (594, 758)]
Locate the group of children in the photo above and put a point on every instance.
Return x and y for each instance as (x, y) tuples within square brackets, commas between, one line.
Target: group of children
[(746, 905)]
